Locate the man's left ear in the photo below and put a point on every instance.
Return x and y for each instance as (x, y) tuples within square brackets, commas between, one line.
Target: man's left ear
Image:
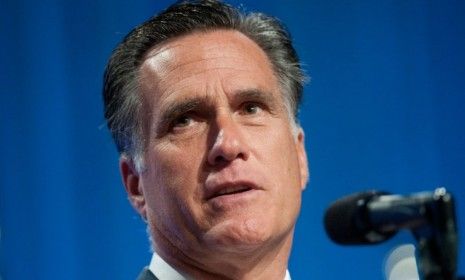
[(302, 157)]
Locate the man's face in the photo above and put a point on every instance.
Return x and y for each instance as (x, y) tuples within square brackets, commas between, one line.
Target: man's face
[(224, 167)]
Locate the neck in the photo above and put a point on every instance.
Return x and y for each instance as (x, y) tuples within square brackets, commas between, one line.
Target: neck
[(264, 262)]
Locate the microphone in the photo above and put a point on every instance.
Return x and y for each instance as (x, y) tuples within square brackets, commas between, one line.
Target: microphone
[(374, 216)]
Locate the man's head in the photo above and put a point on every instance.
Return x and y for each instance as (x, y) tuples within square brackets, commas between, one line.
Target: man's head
[(123, 103), (201, 101)]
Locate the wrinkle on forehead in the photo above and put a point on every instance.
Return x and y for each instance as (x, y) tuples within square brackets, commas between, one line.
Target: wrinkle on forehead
[(229, 45)]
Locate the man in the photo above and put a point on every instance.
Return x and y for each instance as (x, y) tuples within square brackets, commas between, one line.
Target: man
[(201, 101)]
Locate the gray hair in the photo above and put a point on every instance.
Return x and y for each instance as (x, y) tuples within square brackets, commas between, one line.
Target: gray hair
[(124, 105)]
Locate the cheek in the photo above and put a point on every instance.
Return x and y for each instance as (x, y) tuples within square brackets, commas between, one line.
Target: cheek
[(280, 158), (278, 150), (166, 172), (172, 191), (174, 175), (177, 157)]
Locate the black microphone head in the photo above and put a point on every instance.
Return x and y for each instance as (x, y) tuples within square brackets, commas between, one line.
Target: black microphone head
[(347, 222)]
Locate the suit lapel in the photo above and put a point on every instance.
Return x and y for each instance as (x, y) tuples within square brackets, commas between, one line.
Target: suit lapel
[(146, 274)]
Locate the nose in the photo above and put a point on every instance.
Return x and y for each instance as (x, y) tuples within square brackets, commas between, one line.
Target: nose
[(228, 142)]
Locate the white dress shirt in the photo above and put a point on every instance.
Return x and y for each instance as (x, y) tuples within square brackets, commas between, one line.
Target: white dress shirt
[(163, 271)]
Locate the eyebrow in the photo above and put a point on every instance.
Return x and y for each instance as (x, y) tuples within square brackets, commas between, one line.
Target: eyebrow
[(178, 108), (256, 95)]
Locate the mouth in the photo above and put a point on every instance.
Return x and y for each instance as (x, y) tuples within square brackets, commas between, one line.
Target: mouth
[(233, 190), (229, 190)]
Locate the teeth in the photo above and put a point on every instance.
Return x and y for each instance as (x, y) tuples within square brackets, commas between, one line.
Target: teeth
[(232, 190)]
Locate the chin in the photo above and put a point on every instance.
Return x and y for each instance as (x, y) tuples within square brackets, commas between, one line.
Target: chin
[(239, 236)]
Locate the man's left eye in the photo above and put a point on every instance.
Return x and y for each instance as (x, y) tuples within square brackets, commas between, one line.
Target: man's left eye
[(251, 108)]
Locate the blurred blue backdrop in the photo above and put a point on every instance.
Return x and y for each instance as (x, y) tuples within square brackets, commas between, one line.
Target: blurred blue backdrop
[(385, 109)]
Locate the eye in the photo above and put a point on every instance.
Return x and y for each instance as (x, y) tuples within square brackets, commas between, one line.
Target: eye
[(251, 108), (182, 121)]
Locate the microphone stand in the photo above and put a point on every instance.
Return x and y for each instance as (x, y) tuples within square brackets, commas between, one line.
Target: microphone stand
[(438, 241)]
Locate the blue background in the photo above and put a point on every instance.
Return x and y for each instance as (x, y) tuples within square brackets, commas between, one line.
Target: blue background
[(384, 110)]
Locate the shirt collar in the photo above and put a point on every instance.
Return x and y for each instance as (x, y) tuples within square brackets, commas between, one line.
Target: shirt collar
[(162, 270)]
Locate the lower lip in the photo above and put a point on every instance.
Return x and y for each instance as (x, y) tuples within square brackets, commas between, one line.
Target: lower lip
[(235, 200)]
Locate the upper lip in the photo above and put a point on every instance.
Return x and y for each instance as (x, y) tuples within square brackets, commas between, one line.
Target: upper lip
[(214, 190)]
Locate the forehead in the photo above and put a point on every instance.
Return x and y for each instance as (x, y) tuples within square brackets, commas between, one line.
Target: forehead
[(201, 59)]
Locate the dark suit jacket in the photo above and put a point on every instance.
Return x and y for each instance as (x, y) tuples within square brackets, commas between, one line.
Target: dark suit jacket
[(146, 274)]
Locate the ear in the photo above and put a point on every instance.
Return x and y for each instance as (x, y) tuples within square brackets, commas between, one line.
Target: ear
[(132, 185), (302, 157)]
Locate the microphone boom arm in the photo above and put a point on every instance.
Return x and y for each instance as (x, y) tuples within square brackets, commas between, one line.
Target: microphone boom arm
[(437, 241)]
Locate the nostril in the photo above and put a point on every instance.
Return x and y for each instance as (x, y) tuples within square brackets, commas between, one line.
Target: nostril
[(241, 156), (220, 159)]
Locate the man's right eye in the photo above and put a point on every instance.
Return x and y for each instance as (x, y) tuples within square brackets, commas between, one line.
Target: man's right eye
[(182, 121)]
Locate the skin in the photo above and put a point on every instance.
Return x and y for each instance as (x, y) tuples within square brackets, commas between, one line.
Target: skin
[(216, 121)]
